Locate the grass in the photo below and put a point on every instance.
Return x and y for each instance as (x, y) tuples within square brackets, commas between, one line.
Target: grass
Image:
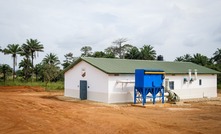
[(219, 88), (50, 86)]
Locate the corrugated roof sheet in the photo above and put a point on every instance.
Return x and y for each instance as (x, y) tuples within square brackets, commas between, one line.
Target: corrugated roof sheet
[(128, 66)]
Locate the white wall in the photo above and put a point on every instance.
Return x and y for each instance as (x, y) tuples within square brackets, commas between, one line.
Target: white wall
[(194, 90), (120, 89), (106, 88), (97, 82), (123, 92)]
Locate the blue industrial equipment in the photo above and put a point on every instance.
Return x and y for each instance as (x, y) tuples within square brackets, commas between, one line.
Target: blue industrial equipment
[(148, 81)]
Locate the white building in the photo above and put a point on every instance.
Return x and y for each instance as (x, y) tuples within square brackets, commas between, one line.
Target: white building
[(112, 80)]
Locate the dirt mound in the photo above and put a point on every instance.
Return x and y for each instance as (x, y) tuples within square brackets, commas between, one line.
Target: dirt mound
[(21, 89)]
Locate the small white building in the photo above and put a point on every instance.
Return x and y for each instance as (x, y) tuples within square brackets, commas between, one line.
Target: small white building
[(112, 80)]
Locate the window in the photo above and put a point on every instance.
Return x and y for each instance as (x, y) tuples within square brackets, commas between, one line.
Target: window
[(200, 82), (171, 85)]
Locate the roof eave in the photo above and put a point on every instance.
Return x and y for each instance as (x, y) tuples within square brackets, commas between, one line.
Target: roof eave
[(72, 65)]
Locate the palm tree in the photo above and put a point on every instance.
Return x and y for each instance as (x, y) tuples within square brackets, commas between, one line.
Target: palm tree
[(179, 58), (125, 49), (185, 58), (134, 53), (86, 51), (25, 64), (37, 70), (200, 59), (25, 51), (217, 56), (51, 59), (148, 53), (5, 70), (50, 67), (33, 46), (13, 49), (111, 52)]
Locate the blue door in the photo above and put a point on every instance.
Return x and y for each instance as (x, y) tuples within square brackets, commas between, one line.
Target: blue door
[(83, 89)]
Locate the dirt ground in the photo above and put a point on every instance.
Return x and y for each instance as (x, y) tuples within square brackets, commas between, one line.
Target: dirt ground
[(32, 110)]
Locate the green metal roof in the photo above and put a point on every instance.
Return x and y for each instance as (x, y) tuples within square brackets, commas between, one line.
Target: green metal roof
[(128, 66)]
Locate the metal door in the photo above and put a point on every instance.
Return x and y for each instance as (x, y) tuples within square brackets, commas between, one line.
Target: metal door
[(83, 89)]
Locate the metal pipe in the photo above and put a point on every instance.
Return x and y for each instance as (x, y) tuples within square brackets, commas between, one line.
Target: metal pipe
[(154, 72), (190, 72), (195, 71)]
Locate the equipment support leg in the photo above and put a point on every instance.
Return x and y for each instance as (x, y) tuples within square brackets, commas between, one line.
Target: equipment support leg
[(135, 95), (144, 96), (154, 95), (162, 95)]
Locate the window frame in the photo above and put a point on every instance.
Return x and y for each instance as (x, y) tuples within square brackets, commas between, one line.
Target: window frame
[(200, 82), (171, 85)]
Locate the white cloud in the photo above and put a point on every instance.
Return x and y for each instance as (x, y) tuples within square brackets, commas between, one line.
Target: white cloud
[(173, 27)]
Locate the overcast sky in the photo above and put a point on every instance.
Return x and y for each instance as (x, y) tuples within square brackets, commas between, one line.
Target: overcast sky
[(172, 27)]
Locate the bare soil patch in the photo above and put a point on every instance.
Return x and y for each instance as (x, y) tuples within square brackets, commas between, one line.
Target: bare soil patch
[(21, 89), (32, 110)]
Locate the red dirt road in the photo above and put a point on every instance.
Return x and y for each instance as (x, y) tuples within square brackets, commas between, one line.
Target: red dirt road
[(32, 110)]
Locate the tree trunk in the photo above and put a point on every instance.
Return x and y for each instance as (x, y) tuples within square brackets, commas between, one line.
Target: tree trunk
[(32, 57), (32, 63), (36, 77), (4, 77), (13, 72)]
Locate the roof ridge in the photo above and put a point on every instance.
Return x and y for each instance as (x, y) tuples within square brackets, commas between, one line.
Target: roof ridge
[(128, 66), (134, 60)]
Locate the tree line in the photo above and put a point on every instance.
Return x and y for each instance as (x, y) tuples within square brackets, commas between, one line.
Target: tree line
[(46, 71), (49, 70)]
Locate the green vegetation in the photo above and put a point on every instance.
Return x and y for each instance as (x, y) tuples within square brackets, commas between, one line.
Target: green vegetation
[(13, 50), (59, 85), (5, 70), (213, 62), (49, 75), (219, 87)]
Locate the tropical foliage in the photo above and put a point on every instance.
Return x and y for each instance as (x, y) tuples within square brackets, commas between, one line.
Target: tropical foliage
[(148, 53), (26, 68), (133, 53), (217, 56), (33, 46), (120, 48), (48, 70), (213, 62), (50, 67), (13, 50), (184, 58), (86, 51), (68, 60), (5, 70)]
